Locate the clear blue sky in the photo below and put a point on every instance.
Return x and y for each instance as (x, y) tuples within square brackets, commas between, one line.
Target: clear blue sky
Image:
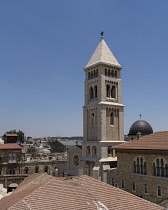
[(45, 44)]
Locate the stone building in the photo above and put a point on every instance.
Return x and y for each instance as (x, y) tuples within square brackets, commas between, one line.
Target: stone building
[(103, 112), (142, 167), (15, 166), (53, 167), (10, 155), (74, 155)]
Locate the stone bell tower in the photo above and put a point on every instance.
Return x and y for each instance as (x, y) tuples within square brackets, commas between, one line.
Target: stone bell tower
[(103, 112)]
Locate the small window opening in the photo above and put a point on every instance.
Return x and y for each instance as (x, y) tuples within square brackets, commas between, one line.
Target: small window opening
[(159, 191), (108, 91), (112, 118), (113, 92), (95, 90), (91, 93)]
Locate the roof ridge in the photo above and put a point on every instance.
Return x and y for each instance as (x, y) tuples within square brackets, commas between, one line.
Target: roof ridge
[(30, 183)]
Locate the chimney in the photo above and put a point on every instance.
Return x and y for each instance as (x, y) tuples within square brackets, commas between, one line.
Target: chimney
[(138, 135)]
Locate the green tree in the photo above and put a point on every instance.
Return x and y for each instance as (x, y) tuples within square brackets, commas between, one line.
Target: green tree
[(19, 133)]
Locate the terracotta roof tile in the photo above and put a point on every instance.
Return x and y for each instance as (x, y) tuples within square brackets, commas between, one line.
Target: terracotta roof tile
[(154, 141), (10, 146), (10, 134), (42, 191)]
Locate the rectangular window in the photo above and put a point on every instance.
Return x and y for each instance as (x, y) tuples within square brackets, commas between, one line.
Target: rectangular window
[(113, 183), (12, 157), (14, 171), (159, 191), (133, 187), (145, 189), (122, 184)]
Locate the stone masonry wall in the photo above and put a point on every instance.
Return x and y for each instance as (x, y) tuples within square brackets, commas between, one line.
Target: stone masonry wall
[(125, 172)]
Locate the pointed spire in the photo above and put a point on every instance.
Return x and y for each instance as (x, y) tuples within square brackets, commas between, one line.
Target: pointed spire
[(103, 54)]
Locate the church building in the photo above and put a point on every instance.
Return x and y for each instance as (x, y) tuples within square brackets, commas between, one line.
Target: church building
[(103, 113)]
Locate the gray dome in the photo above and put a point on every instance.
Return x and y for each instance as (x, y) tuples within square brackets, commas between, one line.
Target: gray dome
[(140, 126)]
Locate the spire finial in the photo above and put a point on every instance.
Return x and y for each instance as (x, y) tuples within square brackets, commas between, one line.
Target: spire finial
[(102, 35), (140, 116)]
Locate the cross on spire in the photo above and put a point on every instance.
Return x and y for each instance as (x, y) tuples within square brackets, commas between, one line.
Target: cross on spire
[(140, 116), (102, 35)]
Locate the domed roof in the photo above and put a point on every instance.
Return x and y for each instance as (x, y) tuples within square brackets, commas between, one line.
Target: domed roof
[(140, 126)]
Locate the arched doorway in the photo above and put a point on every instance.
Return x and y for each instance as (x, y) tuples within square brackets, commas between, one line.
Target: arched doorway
[(12, 187)]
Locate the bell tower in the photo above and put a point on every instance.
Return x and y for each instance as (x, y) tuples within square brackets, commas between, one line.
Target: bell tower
[(103, 112)]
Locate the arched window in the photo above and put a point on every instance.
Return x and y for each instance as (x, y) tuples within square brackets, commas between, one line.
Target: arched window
[(159, 191), (87, 150), (144, 168), (46, 169), (113, 92), (154, 169), (108, 90), (134, 167), (96, 72), (112, 118), (12, 171), (116, 74), (36, 169), (106, 72), (160, 167), (94, 151), (91, 93), (26, 170), (89, 75), (166, 170), (76, 160), (112, 73), (92, 75), (92, 119), (139, 165), (95, 91)]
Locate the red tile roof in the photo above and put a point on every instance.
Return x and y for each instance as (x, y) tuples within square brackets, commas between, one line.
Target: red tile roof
[(42, 191), (154, 141), (10, 146), (10, 134)]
